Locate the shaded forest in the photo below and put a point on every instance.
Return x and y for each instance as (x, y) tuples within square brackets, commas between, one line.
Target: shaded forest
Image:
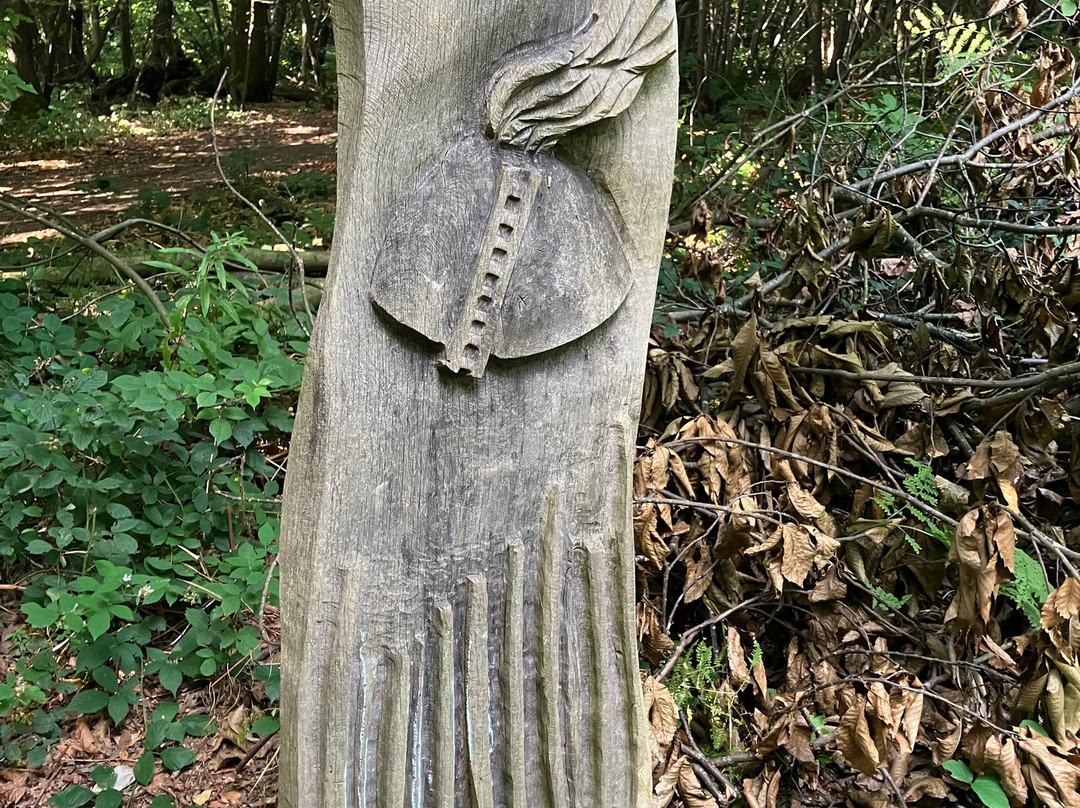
[(857, 502)]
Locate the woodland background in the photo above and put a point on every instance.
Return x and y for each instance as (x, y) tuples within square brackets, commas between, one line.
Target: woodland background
[(858, 504)]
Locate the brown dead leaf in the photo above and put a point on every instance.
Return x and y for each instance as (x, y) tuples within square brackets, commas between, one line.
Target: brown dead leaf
[(655, 643), (666, 785), (762, 791), (663, 713), (984, 548), (799, 552), (829, 587), (803, 502), (739, 674), (999, 459), (1001, 757), (854, 741), (1063, 604), (743, 349), (699, 572), (202, 797), (1053, 774), (85, 737), (691, 791)]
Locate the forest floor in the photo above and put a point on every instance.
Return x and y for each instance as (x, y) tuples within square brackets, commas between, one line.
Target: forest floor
[(96, 184)]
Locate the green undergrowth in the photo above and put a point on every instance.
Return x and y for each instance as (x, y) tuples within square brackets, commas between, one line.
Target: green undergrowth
[(139, 476)]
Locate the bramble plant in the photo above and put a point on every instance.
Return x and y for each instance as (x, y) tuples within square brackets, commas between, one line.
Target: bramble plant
[(140, 485)]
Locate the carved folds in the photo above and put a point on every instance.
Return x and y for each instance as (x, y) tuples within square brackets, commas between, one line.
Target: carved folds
[(502, 249)]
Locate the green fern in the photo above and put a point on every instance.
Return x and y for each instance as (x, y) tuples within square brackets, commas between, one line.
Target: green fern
[(756, 654), (923, 487), (694, 685), (887, 600), (921, 484), (1029, 590)]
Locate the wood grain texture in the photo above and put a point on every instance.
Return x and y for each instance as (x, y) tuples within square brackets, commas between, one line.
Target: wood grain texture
[(457, 560)]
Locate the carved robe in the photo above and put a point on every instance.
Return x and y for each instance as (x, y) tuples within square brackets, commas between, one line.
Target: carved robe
[(457, 556)]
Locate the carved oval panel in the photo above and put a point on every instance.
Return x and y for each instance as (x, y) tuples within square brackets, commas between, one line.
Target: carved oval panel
[(500, 253)]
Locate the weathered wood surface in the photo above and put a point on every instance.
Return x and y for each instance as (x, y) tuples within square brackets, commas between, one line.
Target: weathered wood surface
[(457, 554)]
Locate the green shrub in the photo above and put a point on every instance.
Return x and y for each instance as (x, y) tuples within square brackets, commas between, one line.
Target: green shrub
[(139, 484)]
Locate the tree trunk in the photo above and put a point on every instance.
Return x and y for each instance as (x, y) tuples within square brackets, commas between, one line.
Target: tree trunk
[(457, 549), (277, 34), (249, 60), (25, 47), (127, 51)]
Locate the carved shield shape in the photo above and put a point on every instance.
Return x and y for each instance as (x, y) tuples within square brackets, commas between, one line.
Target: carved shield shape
[(500, 252)]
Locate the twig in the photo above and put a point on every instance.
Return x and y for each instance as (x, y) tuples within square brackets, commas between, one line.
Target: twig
[(1033, 380), (900, 801), (689, 635), (972, 151), (707, 772), (930, 694), (896, 492), (742, 758), (263, 741), (265, 596), (708, 507), (1011, 398), (122, 266), (297, 261)]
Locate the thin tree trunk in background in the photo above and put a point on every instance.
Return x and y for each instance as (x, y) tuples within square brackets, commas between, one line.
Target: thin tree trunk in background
[(816, 42), (78, 18), (221, 38), (281, 15), (100, 36), (127, 50), (249, 78), (164, 48)]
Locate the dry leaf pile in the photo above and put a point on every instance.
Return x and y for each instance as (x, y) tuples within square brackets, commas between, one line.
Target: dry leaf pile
[(858, 500)]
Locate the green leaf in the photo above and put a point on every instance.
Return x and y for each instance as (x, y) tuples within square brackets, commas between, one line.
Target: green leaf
[(72, 797), (959, 770), (988, 788), (162, 801), (144, 769), (110, 798), (221, 430), (104, 776), (267, 725), (119, 707), (106, 678), (155, 734), (88, 701), (40, 616), (98, 623), (1067, 7), (197, 725), (171, 678), (176, 758)]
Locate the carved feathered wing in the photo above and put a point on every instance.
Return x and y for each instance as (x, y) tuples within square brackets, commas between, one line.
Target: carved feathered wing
[(589, 75)]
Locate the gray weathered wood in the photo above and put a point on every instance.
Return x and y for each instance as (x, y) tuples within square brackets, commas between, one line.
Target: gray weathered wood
[(457, 553)]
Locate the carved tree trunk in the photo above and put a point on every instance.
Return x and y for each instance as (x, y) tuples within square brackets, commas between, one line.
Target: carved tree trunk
[(457, 549)]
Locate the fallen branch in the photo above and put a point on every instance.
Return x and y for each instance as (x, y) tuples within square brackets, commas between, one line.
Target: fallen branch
[(1034, 380), (75, 235)]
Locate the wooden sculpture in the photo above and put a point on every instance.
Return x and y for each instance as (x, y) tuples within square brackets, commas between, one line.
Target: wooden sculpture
[(457, 555)]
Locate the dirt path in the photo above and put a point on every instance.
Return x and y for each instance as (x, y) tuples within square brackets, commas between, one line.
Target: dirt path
[(94, 186)]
